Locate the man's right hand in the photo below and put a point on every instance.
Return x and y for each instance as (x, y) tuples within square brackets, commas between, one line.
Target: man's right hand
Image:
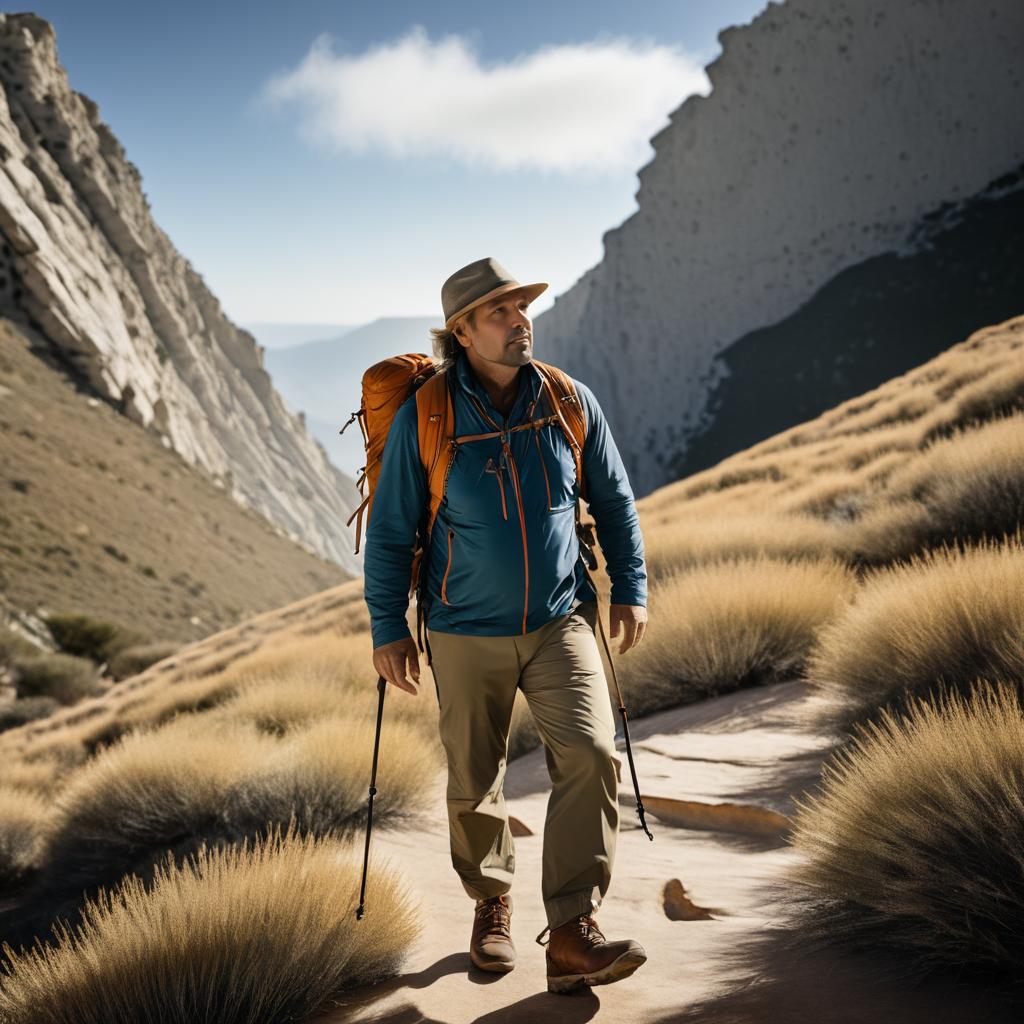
[(394, 660)]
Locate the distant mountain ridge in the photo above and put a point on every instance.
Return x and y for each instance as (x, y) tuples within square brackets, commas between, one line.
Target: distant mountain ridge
[(323, 379), (83, 264)]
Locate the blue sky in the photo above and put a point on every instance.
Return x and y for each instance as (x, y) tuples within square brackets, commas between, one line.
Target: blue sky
[(333, 162)]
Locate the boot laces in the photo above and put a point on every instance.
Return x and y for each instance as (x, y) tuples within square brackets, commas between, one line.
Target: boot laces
[(585, 924), (587, 927), (496, 913)]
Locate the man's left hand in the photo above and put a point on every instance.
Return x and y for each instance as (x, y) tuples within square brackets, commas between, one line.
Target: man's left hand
[(634, 621)]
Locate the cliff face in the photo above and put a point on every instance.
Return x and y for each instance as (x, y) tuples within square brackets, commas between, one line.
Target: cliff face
[(85, 266), (832, 135)]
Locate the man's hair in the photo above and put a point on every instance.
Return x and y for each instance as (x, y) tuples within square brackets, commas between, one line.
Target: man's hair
[(445, 344)]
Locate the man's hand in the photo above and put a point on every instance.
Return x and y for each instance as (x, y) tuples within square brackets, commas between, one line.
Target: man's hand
[(393, 660), (634, 621)]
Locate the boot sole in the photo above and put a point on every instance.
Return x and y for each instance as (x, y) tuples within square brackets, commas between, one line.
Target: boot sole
[(622, 967)]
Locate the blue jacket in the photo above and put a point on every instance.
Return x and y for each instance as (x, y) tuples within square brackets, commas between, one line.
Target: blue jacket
[(490, 573)]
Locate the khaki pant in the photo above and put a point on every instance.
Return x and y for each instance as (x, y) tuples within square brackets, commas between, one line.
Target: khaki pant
[(559, 669)]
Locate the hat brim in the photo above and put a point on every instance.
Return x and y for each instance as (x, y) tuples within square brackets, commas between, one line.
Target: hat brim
[(532, 290)]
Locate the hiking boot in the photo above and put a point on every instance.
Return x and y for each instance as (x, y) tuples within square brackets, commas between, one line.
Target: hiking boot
[(578, 955), (490, 947)]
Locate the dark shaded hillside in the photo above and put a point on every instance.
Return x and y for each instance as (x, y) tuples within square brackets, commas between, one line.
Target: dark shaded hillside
[(872, 322), (98, 517)]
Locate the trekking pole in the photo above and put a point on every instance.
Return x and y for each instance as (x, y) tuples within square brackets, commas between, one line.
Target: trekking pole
[(381, 686), (625, 731), (586, 536)]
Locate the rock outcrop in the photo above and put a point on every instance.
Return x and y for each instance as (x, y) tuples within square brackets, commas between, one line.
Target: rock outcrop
[(86, 267), (834, 134)]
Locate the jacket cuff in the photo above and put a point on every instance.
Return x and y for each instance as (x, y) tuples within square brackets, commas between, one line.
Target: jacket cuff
[(388, 632), (628, 595)]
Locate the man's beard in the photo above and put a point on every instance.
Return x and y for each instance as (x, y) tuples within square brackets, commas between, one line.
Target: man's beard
[(524, 353)]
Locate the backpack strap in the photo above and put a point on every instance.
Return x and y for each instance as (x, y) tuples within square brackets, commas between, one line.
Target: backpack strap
[(565, 404), (436, 413), (436, 428)]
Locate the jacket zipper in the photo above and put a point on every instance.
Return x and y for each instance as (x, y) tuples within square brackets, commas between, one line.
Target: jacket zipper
[(543, 465), (447, 568), (501, 486), (519, 502), (522, 527)]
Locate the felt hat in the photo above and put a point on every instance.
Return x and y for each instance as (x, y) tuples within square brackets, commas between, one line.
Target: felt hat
[(479, 282)]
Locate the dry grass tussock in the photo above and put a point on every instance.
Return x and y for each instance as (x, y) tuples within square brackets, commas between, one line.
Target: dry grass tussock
[(731, 623), (217, 779), (965, 486), (692, 540), (916, 842), (289, 672), (233, 936), (943, 617), (24, 820)]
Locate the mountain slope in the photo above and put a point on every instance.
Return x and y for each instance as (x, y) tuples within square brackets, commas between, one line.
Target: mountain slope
[(99, 517), (83, 263)]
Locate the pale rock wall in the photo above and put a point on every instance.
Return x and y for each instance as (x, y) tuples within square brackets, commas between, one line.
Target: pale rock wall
[(830, 129)]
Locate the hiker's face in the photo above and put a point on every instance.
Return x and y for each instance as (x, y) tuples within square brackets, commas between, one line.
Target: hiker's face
[(502, 331)]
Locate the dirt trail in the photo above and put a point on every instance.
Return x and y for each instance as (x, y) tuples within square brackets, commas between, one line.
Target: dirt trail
[(752, 750)]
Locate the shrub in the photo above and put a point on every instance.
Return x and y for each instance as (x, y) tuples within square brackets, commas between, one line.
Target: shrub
[(64, 677), (87, 637), (916, 841), (27, 709), (138, 657), (237, 936), (13, 644)]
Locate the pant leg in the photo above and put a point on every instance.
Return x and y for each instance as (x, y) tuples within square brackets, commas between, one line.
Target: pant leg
[(475, 679), (565, 684)]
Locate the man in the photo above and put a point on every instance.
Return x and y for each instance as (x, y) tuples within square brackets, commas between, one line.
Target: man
[(508, 605)]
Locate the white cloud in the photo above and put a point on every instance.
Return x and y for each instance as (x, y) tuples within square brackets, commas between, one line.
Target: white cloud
[(562, 108)]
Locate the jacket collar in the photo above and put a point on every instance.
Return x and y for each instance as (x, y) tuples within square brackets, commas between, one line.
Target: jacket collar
[(470, 383)]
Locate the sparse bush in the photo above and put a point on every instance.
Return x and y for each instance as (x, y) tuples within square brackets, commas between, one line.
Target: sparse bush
[(137, 658), (64, 677), (86, 637), (13, 644), (916, 841), (27, 709), (949, 614), (236, 936)]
